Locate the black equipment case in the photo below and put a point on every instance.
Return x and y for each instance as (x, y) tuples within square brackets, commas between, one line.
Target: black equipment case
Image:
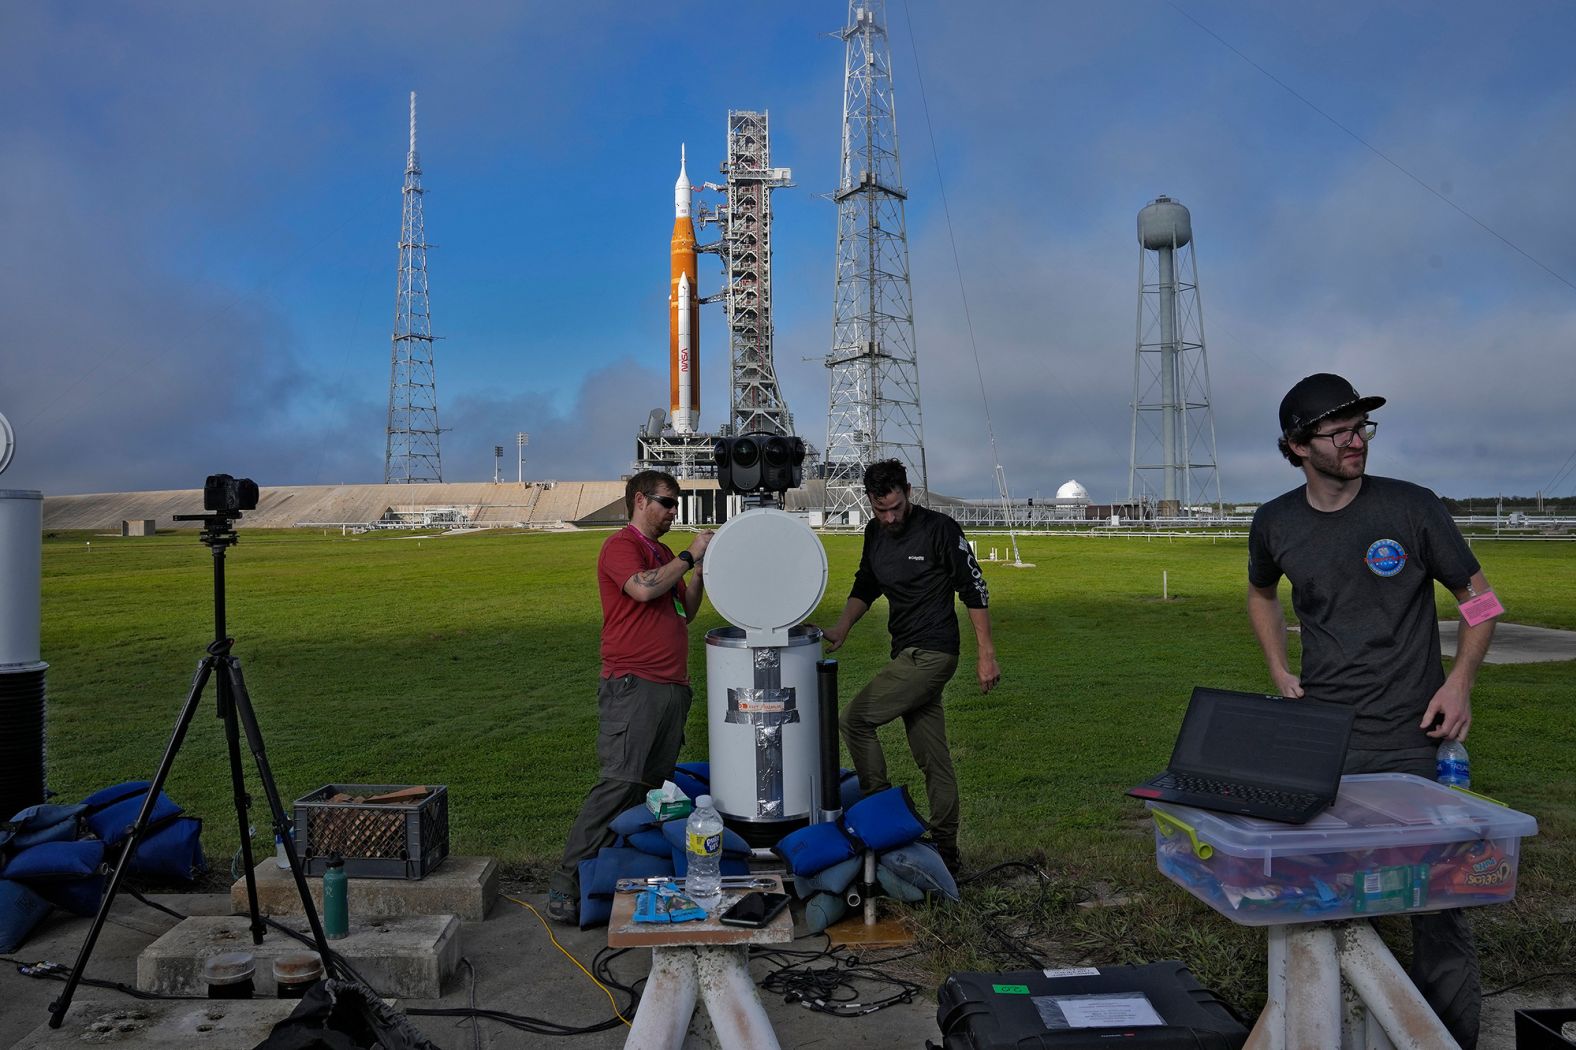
[(1020, 1010)]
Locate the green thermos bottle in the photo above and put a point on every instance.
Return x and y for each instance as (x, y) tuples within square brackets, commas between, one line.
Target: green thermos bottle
[(336, 899)]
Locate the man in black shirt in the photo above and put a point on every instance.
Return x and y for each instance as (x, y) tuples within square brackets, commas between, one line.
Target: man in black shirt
[(1362, 554), (919, 559)]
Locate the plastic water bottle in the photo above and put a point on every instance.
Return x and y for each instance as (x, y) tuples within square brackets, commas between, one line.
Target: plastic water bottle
[(1452, 767), (280, 857), (703, 844), (336, 899)]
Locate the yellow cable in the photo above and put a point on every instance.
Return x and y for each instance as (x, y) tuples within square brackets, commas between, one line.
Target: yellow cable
[(571, 958)]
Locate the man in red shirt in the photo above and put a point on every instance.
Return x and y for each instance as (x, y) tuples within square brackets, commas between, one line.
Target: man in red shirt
[(643, 698)]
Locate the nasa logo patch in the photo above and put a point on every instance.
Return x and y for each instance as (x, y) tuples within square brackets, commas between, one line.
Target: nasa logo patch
[(1385, 557)]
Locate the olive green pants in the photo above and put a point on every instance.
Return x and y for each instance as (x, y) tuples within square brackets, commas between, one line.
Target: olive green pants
[(909, 688)]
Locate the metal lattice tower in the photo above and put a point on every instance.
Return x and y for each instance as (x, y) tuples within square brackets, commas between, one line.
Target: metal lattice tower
[(873, 412), (411, 454), (1173, 461), (756, 403)]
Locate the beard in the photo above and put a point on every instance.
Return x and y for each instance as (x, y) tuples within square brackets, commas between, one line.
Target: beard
[(1338, 463)]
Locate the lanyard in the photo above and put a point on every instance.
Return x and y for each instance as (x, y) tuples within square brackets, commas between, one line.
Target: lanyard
[(656, 553)]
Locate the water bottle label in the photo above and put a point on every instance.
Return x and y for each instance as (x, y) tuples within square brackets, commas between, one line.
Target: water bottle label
[(707, 845), (1453, 771)]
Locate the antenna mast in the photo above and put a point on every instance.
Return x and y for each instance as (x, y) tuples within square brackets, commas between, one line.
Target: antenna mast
[(411, 453), (873, 411)]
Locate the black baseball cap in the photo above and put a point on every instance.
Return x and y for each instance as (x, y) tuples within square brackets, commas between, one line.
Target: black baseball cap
[(1320, 396)]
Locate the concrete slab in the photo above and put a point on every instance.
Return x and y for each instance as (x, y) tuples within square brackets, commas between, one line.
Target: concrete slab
[(154, 1025), (461, 886), (1516, 643), (409, 956)]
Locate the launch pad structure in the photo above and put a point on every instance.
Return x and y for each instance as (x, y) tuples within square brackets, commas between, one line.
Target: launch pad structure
[(744, 219)]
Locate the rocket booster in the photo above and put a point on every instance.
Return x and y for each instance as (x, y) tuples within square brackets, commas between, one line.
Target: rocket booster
[(683, 312)]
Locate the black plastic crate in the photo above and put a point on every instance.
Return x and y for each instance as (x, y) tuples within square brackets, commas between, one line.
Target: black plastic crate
[(379, 840), (1023, 1010), (1540, 1029)]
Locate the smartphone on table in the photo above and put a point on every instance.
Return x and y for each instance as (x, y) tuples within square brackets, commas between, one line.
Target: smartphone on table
[(754, 909)]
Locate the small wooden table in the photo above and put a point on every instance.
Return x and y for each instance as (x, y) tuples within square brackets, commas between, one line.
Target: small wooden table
[(702, 960)]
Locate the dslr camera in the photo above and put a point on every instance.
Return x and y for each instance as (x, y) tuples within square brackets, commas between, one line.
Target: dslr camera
[(229, 495)]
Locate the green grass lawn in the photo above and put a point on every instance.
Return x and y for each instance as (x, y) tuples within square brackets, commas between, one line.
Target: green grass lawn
[(471, 661)]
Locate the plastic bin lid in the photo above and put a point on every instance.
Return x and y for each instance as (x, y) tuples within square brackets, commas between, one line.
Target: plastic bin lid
[(1371, 811)]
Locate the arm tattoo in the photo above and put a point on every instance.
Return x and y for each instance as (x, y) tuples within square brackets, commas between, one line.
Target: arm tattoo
[(647, 577)]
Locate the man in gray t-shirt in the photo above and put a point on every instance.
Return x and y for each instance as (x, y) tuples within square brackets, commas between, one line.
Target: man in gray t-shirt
[(1362, 554)]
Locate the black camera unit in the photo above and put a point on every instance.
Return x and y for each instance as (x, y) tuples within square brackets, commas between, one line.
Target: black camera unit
[(222, 492), (759, 463)]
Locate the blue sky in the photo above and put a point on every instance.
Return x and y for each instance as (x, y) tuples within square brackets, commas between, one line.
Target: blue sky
[(202, 202)]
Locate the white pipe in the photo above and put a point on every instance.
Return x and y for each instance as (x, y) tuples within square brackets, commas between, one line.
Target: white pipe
[(1313, 979), (1391, 996), (21, 575), (732, 1003), (668, 1002)]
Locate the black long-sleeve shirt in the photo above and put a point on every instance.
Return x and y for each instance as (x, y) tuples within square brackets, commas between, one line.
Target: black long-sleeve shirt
[(919, 566)]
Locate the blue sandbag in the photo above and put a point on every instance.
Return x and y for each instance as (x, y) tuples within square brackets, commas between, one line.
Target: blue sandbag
[(732, 844), (919, 865), (651, 842), (173, 851), (897, 888), (884, 820), (594, 911), (848, 790), (21, 909), (115, 793), (633, 819), (79, 896), (814, 848), (47, 822), (57, 860), (835, 879), (114, 821), (823, 909), (693, 778)]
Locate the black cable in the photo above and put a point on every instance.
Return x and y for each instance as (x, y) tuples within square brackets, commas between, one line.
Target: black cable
[(53, 971), (476, 1024), (1529, 980)]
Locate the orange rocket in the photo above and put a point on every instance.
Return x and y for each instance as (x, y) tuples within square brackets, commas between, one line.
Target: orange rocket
[(683, 312)]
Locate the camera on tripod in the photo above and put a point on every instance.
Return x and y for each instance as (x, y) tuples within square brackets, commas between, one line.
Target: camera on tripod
[(224, 493), (754, 463)]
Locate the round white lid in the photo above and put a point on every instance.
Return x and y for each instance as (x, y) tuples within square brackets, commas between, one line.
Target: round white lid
[(765, 570)]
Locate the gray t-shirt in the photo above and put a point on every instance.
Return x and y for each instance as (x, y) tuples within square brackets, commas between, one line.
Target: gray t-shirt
[(1362, 586)]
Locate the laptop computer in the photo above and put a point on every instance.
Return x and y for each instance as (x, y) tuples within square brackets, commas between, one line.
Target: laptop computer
[(1261, 756)]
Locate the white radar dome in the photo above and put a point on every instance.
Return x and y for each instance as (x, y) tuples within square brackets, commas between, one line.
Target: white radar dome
[(1072, 490), (765, 570)]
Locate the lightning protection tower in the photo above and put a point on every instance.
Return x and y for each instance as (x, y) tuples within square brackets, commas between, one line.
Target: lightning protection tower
[(1173, 460), (411, 454), (873, 412), (746, 220)]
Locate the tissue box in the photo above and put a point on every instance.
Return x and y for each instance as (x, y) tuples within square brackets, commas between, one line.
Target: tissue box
[(666, 808)]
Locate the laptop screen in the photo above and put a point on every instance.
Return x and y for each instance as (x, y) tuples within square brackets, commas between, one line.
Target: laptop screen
[(1290, 744)]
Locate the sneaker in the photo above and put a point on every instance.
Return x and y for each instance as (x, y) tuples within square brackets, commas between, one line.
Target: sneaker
[(561, 907)]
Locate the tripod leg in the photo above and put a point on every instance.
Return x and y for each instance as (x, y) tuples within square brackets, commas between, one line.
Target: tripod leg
[(59, 1007), (254, 737), (243, 803)]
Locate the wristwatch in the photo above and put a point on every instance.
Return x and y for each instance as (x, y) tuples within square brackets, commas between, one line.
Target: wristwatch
[(687, 558)]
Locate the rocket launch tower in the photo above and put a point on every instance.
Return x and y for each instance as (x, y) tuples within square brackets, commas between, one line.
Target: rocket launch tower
[(673, 440)]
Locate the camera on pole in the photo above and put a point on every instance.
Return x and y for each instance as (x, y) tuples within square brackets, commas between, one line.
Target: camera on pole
[(757, 463)]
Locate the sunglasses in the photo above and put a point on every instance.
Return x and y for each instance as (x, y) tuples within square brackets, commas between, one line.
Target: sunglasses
[(669, 502)]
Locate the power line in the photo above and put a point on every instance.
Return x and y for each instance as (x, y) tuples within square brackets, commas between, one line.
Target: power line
[(1376, 151)]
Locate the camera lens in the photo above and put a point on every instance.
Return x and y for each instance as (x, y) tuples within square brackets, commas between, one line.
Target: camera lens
[(745, 452)]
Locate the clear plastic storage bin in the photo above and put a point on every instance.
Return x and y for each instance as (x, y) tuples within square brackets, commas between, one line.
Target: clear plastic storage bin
[(1392, 842)]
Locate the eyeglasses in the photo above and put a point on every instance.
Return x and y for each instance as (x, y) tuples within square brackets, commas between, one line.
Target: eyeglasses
[(1346, 435), (670, 502)]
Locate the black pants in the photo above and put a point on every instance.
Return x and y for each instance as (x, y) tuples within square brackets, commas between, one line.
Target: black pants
[(1444, 959)]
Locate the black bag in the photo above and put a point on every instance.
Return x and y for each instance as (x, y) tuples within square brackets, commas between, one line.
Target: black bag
[(1028, 1009)]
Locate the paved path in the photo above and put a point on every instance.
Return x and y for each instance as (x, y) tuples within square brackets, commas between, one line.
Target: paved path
[(1516, 643)]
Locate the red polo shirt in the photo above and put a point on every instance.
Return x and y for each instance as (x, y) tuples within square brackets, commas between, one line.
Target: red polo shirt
[(649, 639)]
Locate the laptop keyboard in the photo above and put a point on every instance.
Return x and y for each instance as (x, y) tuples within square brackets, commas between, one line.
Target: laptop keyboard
[(1245, 792)]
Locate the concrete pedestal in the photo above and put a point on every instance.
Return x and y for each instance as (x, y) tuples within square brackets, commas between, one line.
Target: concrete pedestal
[(461, 886)]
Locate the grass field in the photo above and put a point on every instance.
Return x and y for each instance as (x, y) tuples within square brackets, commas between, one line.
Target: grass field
[(471, 661)]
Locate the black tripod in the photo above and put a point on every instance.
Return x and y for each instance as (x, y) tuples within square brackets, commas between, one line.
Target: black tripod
[(235, 707)]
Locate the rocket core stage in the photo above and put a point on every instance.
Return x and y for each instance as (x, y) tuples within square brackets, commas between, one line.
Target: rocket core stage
[(683, 312)]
